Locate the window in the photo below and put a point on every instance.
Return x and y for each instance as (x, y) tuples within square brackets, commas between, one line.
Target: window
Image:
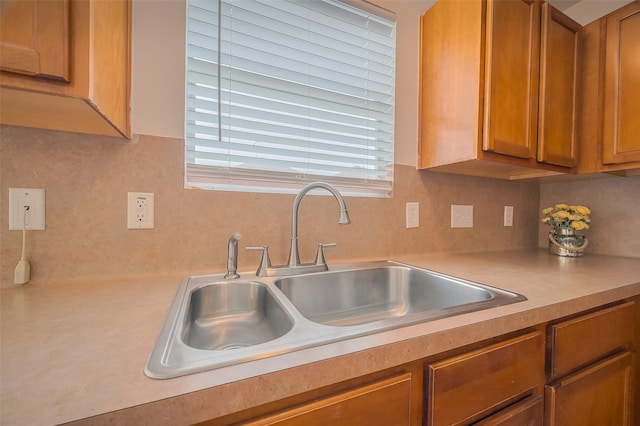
[(282, 93)]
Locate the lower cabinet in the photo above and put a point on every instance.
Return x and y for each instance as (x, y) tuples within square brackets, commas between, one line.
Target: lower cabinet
[(528, 412), (578, 370), (385, 402), (597, 395), (590, 368), (474, 385)]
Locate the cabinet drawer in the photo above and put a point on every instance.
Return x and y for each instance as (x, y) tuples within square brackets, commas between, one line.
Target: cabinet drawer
[(528, 412), (469, 386), (579, 341), (386, 402)]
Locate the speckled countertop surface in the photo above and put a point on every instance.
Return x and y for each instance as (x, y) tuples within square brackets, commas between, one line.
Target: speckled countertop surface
[(77, 350)]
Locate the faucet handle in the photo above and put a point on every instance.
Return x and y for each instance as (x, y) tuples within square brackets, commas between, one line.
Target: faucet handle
[(265, 261), (320, 254)]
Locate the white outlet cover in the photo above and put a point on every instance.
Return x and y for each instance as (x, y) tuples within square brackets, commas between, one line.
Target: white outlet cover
[(138, 218), (34, 198), (461, 216)]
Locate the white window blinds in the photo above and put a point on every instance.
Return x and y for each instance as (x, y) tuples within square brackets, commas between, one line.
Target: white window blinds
[(282, 93)]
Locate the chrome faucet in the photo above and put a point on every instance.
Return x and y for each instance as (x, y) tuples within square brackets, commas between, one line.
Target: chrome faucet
[(293, 266), (294, 257), (232, 259)]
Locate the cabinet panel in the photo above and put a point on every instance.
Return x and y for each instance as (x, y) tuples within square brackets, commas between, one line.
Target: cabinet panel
[(511, 77), (528, 412), (622, 87), (95, 100), (579, 341), (596, 396), (471, 385), (35, 38), (386, 402), (450, 72), (558, 84)]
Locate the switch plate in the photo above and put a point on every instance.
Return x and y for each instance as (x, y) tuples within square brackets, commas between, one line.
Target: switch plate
[(140, 208), (35, 217), (413, 215), (461, 216), (508, 215)]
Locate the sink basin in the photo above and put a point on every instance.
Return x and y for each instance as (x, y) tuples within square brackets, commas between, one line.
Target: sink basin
[(227, 315), (214, 323), (362, 296)]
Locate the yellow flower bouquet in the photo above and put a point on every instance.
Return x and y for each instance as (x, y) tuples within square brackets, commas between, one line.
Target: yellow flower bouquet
[(565, 216), (566, 220)]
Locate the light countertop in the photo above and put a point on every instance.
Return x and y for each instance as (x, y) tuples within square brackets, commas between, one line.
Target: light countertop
[(75, 350)]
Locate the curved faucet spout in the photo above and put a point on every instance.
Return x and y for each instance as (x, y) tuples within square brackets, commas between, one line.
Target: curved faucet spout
[(294, 256)]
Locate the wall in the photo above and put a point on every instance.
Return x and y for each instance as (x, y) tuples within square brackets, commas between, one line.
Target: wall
[(615, 207), (87, 177)]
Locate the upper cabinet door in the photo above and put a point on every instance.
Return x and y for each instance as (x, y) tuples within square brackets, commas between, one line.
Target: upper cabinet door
[(35, 38), (558, 81), (621, 138), (511, 77)]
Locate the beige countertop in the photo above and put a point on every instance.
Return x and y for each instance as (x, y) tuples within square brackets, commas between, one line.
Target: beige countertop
[(75, 350)]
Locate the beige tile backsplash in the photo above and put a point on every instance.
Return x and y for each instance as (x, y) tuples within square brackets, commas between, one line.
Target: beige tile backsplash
[(87, 178)]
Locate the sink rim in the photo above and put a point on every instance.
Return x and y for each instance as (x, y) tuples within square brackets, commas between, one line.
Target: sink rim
[(171, 357)]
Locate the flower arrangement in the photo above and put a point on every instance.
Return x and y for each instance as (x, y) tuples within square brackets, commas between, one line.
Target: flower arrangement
[(564, 216)]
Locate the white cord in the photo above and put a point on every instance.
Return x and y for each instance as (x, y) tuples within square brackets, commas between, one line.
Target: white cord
[(24, 232), (22, 273)]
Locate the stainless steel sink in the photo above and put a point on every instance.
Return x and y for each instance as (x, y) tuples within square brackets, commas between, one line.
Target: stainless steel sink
[(231, 315), (214, 322), (360, 296)]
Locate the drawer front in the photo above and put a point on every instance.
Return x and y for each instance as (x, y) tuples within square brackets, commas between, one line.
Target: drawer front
[(472, 385), (386, 402), (600, 394), (528, 412), (580, 341)]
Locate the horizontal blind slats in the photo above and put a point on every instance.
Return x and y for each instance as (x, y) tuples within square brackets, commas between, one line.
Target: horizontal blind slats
[(314, 154), (297, 90)]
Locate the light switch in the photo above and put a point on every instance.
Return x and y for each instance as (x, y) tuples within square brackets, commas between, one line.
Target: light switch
[(508, 215), (413, 215), (461, 216)]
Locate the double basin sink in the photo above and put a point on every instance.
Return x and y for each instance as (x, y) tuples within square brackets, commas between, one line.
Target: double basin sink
[(214, 323)]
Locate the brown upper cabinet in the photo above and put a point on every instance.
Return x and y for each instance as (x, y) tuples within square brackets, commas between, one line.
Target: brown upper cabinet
[(37, 43), (557, 141), (65, 65), (610, 94), (622, 87), (497, 89)]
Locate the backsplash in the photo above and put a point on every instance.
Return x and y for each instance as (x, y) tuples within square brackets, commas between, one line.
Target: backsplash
[(87, 178), (615, 212)]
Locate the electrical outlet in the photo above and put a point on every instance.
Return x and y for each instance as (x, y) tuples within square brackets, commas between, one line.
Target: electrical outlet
[(413, 215), (35, 217), (508, 215), (140, 208), (461, 216)]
